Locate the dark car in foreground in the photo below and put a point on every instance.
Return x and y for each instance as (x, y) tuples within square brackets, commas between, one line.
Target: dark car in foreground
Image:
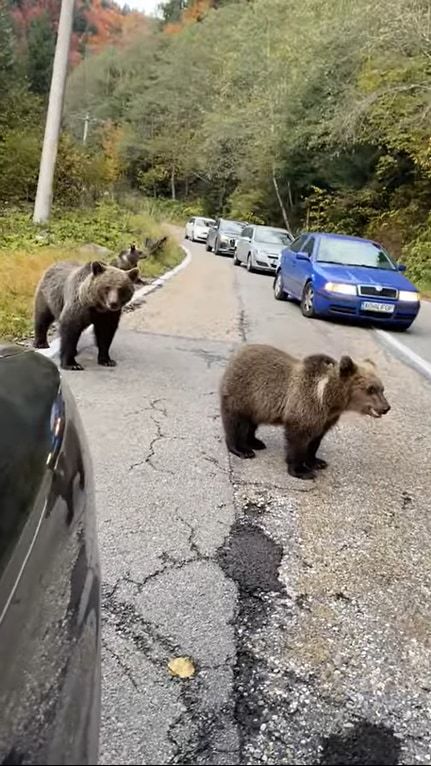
[(223, 236), (334, 275), (49, 570)]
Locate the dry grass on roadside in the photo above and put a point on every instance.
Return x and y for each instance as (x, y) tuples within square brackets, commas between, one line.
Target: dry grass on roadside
[(20, 272)]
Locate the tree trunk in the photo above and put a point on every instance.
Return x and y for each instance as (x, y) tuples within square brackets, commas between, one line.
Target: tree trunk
[(280, 202), (221, 197), (289, 192), (173, 191), (186, 187)]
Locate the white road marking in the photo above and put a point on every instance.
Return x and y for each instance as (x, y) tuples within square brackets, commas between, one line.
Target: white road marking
[(409, 356)]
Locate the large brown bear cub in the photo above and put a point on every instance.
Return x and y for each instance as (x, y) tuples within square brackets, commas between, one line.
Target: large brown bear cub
[(262, 384), (78, 296)]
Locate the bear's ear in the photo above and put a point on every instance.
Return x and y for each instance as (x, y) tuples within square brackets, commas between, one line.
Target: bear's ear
[(133, 274), (97, 267), (347, 367)]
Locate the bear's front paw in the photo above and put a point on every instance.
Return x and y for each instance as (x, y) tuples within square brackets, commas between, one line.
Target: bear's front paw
[(106, 362), (301, 472), (246, 454), (72, 366), (257, 444), (317, 463)]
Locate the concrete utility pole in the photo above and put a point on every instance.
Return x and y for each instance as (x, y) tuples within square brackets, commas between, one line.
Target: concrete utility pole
[(86, 122), (42, 207)]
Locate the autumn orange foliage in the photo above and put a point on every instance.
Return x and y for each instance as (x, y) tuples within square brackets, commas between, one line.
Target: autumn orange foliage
[(104, 21), (193, 13)]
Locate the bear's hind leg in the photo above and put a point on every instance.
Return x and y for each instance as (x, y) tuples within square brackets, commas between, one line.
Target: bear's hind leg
[(252, 441), (312, 461), (43, 319), (297, 444), (105, 327), (70, 332), (236, 432)]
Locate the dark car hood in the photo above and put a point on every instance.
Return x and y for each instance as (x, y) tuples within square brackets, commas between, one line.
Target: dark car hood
[(6, 350), (363, 275)]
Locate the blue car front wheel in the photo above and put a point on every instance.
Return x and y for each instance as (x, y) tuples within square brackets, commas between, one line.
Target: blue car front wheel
[(279, 293), (307, 301)]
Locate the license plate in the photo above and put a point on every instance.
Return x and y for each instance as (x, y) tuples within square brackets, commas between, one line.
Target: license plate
[(384, 308)]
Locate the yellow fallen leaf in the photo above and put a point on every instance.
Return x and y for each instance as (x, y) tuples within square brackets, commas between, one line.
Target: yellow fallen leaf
[(182, 667)]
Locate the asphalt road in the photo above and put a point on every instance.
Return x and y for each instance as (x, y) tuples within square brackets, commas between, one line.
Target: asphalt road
[(414, 346), (305, 609)]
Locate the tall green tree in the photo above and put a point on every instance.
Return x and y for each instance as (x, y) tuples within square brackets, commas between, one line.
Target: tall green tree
[(172, 10), (7, 58), (40, 54)]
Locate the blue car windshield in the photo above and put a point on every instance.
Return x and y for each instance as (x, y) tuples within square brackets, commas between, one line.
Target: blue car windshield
[(354, 253)]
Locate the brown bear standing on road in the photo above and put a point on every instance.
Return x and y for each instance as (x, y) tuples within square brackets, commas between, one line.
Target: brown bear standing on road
[(262, 384), (79, 296)]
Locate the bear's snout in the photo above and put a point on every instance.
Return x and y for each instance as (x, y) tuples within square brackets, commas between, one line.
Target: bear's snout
[(113, 301), (381, 407)]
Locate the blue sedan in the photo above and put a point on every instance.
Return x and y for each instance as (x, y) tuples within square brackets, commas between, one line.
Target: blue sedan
[(334, 275)]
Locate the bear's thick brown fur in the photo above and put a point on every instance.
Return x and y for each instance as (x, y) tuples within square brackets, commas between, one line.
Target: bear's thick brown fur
[(77, 296), (264, 385)]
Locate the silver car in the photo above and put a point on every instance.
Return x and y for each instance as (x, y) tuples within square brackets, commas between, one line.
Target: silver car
[(259, 247)]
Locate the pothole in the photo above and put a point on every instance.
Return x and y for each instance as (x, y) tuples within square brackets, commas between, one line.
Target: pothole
[(365, 744)]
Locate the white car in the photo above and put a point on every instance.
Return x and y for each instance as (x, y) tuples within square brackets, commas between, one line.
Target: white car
[(197, 228)]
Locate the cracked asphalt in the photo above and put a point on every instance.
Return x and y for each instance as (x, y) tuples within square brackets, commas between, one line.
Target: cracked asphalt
[(305, 609)]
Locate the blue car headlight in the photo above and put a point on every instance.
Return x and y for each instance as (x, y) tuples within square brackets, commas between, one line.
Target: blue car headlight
[(341, 288), (409, 296)]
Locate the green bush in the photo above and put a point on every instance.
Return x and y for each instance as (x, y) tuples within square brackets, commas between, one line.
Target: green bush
[(244, 203), (106, 224), (19, 164), (162, 210), (417, 256)]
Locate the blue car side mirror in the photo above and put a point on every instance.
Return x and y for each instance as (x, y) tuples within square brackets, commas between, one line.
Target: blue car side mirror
[(401, 266), (302, 257)]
